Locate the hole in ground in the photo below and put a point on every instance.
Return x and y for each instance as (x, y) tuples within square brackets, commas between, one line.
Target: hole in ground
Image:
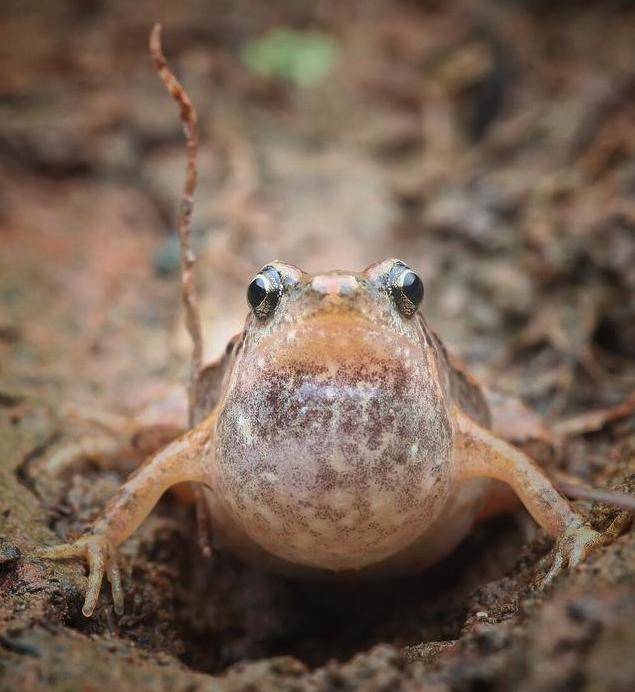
[(228, 612)]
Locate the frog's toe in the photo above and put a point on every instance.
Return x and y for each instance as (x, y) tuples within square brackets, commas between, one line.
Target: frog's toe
[(101, 560), (554, 570), (60, 552), (572, 548), (114, 577)]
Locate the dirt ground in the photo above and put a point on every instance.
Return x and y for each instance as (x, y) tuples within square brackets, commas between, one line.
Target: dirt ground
[(491, 145)]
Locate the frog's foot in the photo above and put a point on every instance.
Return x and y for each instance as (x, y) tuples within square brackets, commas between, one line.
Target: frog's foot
[(574, 546), (101, 559)]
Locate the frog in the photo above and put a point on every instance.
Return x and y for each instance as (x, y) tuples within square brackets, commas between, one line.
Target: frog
[(335, 436)]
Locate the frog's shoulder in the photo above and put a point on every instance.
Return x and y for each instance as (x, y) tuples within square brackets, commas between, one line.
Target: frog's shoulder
[(505, 415), (464, 389), (211, 379)]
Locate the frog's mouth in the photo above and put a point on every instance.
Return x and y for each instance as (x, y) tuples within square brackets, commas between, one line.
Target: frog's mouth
[(335, 337)]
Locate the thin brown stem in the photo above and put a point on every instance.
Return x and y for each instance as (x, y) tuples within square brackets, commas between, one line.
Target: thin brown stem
[(609, 497), (189, 120)]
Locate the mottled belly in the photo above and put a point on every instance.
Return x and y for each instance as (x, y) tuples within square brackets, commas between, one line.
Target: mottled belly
[(334, 464)]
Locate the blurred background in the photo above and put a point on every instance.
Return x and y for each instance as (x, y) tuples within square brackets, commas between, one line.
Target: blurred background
[(489, 144)]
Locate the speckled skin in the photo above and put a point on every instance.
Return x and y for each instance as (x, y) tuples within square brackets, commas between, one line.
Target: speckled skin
[(336, 436), (334, 442)]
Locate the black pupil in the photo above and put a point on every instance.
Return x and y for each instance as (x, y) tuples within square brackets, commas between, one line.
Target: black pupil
[(256, 292), (412, 287)]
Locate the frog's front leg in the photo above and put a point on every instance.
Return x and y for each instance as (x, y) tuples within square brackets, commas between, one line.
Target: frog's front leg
[(482, 454), (184, 459)]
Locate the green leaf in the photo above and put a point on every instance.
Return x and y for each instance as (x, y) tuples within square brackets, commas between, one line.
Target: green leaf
[(302, 58)]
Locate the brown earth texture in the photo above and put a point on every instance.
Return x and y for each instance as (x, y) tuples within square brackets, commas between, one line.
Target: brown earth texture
[(490, 144)]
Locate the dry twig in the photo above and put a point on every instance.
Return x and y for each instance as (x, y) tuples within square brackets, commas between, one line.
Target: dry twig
[(592, 421), (579, 491), (189, 120)]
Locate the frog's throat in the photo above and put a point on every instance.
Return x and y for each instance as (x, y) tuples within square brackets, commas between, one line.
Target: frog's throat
[(334, 446)]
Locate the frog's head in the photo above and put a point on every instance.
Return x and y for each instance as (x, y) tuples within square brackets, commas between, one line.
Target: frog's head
[(334, 442), (283, 297)]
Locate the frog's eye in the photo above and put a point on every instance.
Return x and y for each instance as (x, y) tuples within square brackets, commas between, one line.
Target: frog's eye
[(263, 293), (406, 289)]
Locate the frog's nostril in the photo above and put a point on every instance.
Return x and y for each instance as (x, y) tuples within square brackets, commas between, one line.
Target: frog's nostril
[(334, 285)]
